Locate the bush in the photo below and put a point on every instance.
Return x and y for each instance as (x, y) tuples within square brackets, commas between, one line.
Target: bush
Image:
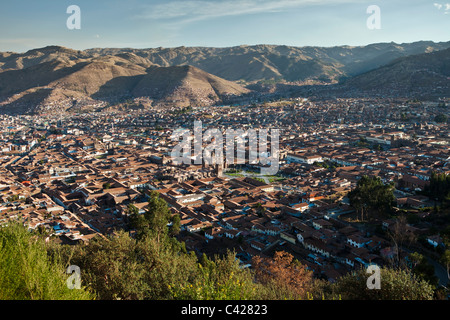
[(27, 272), (396, 284), (221, 279)]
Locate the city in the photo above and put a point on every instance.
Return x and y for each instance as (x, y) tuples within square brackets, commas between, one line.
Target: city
[(77, 179), (225, 158)]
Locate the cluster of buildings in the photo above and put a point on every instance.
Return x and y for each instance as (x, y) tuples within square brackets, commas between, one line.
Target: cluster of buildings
[(75, 177)]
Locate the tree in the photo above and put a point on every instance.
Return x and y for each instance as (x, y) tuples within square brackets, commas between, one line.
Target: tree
[(155, 221), (439, 187), (446, 260), (423, 269), (219, 279), (132, 209), (377, 147), (122, 268), (441, 118), (157, 216), (27, 272), (260, 210), (13, 198), (175, 225), (283, 277), (400, 236), (396, 284), (371, 194)]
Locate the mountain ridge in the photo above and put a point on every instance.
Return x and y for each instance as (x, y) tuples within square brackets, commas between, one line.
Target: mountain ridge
[(42, 78)]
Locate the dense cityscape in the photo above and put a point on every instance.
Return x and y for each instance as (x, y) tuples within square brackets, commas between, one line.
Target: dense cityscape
[(224, 158), (78, 177)]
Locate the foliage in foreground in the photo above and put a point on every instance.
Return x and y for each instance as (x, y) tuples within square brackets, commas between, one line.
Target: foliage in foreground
[(156, 266), (27, 272), (124, 268), (396, 284)]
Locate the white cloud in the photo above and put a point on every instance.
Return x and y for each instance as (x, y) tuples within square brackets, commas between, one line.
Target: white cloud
[(446, 7), (195, 10)]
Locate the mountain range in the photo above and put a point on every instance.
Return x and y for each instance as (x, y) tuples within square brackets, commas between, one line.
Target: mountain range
[(416, 75), (58, 79)]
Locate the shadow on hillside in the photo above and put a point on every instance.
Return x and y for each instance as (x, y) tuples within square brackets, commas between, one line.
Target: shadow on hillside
[(118, 88), (41, 75)]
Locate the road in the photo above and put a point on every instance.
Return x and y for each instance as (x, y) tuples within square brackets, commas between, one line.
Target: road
[(440, 272)]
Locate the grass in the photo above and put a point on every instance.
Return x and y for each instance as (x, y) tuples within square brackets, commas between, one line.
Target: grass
[(254, 175)]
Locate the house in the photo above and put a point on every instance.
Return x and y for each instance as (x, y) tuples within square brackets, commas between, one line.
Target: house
[(311, 197), (288, 237), (317, 246), (388, 224), (349, 258), (212, 233), (363, 256), (232, 233), (331, 274), (198, 226), (258, 228), (301, 236), (302, 231), (435, 241), (303, 158), (376, 243), (413, 202), (413, 182), (257, 245), (321, 223), (301, 206), (273, 230), (357, 240)]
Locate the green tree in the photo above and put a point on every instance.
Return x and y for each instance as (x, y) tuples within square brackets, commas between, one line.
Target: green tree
[(423, 269), (396, 284), (175, 225), (27, 272), (218, 279), (122, 268), (372, 195), (155, 221), (441, 118), (132, 209), (439, 187), (260, 209), (446, 261)]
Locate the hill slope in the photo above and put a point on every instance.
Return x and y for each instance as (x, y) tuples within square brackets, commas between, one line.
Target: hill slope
[(272, 62), (71, 84), (59, 79), (185, 85), (418, 75)]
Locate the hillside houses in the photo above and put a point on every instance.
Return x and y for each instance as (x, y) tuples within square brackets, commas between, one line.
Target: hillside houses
[(78, 175)]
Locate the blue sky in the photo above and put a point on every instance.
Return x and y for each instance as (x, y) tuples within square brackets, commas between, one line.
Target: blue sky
[(26, 24)]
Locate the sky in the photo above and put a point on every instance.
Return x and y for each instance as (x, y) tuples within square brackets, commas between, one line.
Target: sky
[(30, 24)]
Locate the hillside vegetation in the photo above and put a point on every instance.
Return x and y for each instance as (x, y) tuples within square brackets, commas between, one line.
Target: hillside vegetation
[(154, 266)]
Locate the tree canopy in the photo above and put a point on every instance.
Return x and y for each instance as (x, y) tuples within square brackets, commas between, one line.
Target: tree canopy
[(155, 266), (396, 284), (439, 187), (372, 195), (27, 272)]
